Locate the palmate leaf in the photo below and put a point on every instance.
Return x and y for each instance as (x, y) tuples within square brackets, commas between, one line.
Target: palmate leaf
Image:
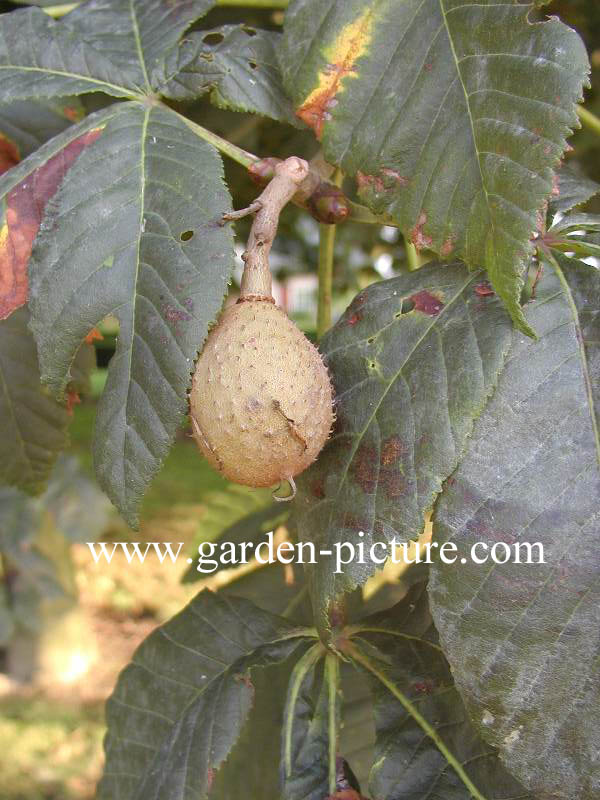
[(450, 114), (134, 231), (426, 745), (311, 727), (136, 34), (524, 639), (24, 193), (32, 423), (237, 64), (413, 361), (178, 708)]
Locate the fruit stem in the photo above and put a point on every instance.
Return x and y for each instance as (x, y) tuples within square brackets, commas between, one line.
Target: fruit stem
[(326, 252), (256, 279)]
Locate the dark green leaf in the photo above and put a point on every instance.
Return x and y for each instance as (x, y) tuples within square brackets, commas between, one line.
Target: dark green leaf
[(237, 65), (33, 424), (252, 771), (112, 244), (414, 695), (451, 115), (179, 706), (311, 727), (135, 34), (524, 639), (275, 588), (574, 188), (25, 191), (43, 58), (357, 736), (413, 361), (30, 123), (576, 221)]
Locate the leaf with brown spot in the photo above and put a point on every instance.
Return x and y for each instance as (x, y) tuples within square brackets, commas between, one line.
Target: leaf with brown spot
[(409, 385), (523, 639), (24, 207), (468, 103), (341, 55)]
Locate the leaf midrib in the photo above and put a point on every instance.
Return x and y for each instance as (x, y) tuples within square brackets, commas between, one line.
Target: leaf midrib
[(138, 44), (64, 74), (457, 62)]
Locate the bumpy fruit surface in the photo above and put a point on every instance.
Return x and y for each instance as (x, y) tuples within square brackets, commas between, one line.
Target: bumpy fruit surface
[(261, 396)]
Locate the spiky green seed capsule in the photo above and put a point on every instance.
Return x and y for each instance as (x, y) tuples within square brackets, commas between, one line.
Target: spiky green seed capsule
[(261, 399)]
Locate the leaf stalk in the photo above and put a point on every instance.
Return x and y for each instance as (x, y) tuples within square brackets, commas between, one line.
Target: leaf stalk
[(589, 120), (425, 726)]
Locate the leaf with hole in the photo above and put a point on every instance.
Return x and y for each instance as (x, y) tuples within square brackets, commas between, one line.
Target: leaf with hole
[(178, 708), (146, 179), (523, 638), (413, 361), (451, 115), (136, 35), (237, 64)]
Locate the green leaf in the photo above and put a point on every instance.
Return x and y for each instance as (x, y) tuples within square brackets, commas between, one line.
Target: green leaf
[(33, 424), (311, 727), (523, 639), (25, 191), (237, 64), (29, 123), (426, 745), (275, 588), (252, 770), (450, 114), (413, 361), (357, 736), (43, 58), (147, 181), (179, 706), (576, 221), (136, 34), (574, 188)]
